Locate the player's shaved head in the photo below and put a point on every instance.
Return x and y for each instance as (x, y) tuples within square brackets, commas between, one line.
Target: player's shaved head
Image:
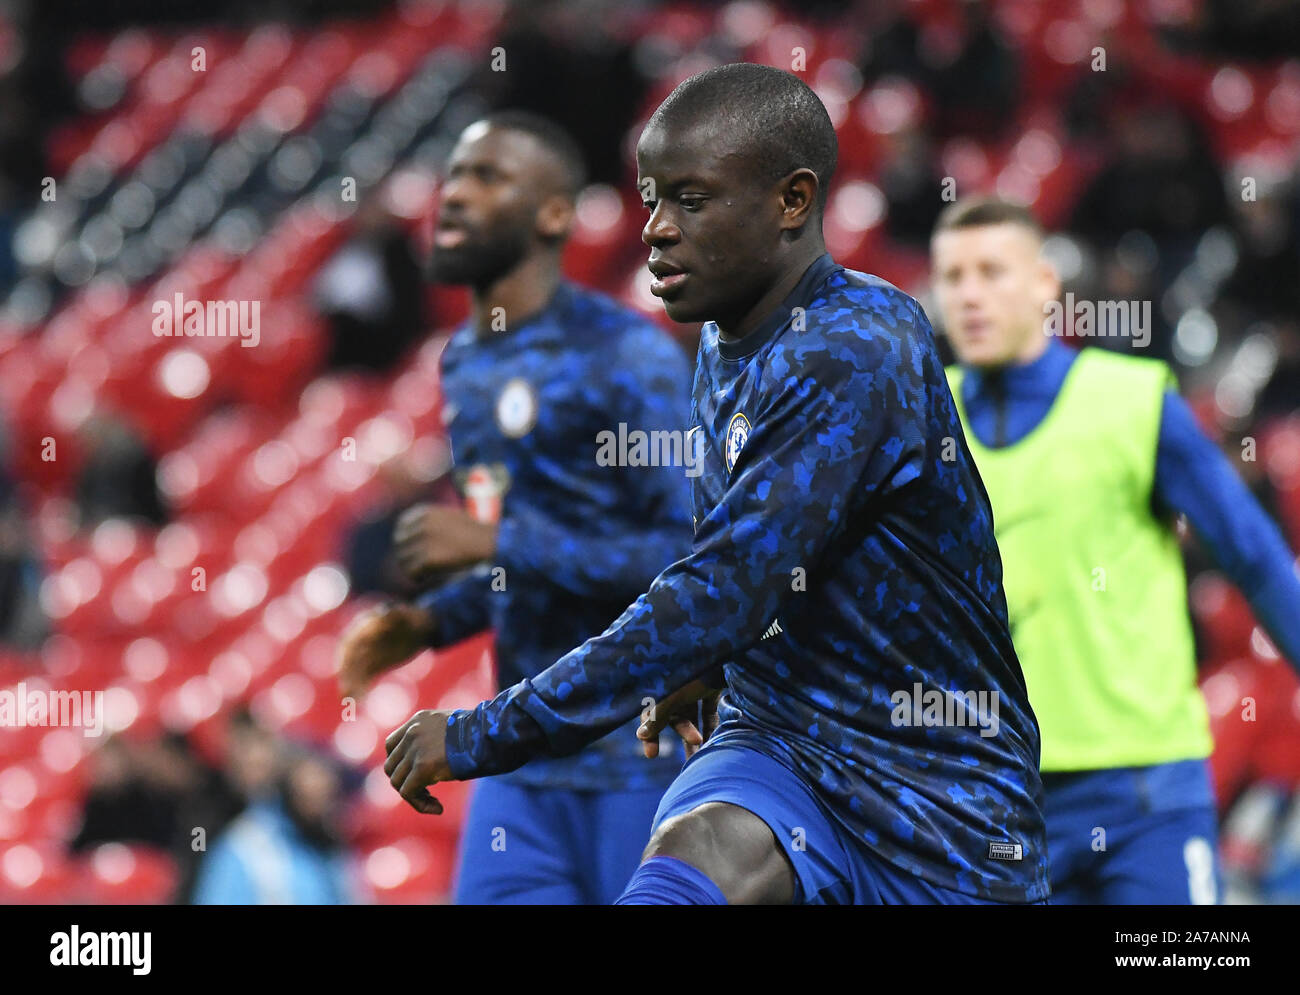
[(770, 117), (734, 168), (568, 171)]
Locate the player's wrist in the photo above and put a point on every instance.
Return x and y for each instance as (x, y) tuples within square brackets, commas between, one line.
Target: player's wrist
[(420, 622), (457, 752)]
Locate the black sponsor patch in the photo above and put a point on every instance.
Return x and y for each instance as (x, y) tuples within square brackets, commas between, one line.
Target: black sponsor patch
[(1005, 851)]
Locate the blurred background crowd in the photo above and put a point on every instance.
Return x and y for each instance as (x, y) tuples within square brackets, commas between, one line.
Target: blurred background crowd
[(187, 525)]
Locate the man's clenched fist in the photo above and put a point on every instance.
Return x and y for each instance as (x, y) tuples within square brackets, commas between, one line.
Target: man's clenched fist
[(379, 641), (679, 711), (417, 757), (434, 537)]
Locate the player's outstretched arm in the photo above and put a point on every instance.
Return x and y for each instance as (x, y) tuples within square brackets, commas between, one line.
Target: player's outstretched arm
[(1194, 478), (836, 431)]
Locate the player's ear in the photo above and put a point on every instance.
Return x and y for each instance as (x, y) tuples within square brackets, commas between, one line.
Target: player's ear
[(798, 199), (1049, 280), (555, 218)]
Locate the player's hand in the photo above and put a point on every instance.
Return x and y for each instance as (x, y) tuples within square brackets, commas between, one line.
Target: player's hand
[(417, 758), (678, 711), (379, 641), (433, 537)]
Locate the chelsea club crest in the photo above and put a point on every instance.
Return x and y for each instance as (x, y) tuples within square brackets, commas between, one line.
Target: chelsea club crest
[(737, 436), (517, 408)]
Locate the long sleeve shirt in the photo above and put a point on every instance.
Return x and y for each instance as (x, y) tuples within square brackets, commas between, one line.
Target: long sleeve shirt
[(845, 573), (579, 535), (1193, 478)]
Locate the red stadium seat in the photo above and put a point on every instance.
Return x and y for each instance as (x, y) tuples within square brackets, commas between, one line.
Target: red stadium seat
[(118, 874), (606, 227), (36, 874), (409, 871), (1224, 616)]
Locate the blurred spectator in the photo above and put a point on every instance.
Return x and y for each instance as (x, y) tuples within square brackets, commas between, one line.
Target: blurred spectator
[(973, 74), (910, 177), (284, 849), (158, 793), (568, 61), (1161, 180), (965, 65), (23, 624), (35, 96), (1261, 846), (119, 476), (893, 42), (252, 757), (268, 823), (1096, 98), (124, 804), (1266, 281), (1253, 29), (371, 293), (1281, 879)]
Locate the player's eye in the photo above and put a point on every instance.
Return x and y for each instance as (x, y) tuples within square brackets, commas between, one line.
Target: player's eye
[(691, 204)]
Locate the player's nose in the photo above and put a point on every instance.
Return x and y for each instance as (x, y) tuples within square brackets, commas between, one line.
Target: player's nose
[(968, 292), (659, 230), (454, 192)]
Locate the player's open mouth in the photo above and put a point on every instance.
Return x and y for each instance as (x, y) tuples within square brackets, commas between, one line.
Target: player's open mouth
[(449, 238), (667, 277), (662, 285)]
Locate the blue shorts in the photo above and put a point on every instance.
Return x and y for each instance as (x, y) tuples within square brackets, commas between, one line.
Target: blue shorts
[(1132, 835), (830, 865), (524, 845)]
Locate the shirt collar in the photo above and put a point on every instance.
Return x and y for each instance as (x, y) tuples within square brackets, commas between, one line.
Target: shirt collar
[(546, 325), (1043, 373), (801, 296)]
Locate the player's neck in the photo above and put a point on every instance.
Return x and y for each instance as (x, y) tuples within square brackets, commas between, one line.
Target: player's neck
[(1021, 360), (1032, 350), (516, 296), (730, 330)]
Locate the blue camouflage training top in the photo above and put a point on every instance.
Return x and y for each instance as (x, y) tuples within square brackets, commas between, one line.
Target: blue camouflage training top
[(844, 571), (579, 537)]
